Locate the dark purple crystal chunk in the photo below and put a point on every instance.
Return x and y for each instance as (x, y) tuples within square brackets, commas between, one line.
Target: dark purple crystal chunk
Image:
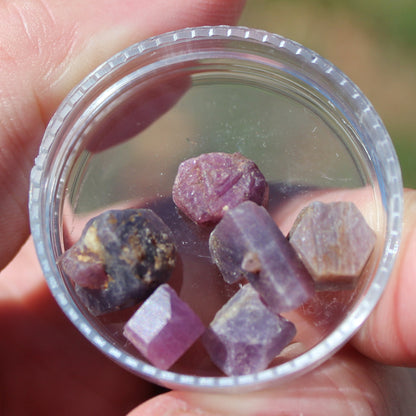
[(248, 243), (163, 328), (245, 335), (206, 186), (334, 242), (121, 257)]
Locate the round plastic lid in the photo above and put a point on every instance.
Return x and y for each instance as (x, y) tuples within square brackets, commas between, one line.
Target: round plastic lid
[(120, 134)]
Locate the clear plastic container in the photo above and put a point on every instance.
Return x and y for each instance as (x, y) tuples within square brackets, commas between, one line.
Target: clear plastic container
[(117, 140)]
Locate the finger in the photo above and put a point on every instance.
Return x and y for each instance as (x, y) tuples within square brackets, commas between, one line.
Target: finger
[(45, 48), (46, 363), (389, 334), (348, 384), (137, 113), (18, 280)]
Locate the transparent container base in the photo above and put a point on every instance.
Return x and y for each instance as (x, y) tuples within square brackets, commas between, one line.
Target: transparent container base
[(117, 141)]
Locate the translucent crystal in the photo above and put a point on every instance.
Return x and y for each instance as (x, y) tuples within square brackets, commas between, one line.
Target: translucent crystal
[(121, 257), (211, 183), (245, 335), (163, 328), (247, 243), (334, 242)]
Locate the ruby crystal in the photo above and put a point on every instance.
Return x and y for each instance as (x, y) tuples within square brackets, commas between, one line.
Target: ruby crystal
[(121, 257), (245, 335), (334, 242), (247, 243), (163, 328), (206, 186)]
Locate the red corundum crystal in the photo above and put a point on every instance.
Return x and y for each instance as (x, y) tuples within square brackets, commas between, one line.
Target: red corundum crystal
[(207, 185), (248, 243), (245, 335), (334, 242), (163, 328)]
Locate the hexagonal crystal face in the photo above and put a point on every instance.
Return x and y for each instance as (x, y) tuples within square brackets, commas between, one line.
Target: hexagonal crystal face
[(334, 242), (164, 327), (208, 185), (248, 243), (245, 335)]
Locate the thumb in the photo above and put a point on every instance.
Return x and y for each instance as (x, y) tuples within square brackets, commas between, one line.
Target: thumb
[(46, 47)]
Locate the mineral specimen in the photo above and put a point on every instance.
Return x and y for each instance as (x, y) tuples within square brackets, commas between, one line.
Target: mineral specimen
[(248, 243), (334, 242), (206, 186), (245, 335), (163, 328), (121, 257)]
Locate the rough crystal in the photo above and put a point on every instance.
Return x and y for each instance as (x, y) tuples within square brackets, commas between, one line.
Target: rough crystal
[(163, 328), (248, 243), (245, 335), (334, 242), (121, 257), (206, 186)]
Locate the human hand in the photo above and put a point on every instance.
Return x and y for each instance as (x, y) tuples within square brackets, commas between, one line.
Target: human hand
[(47, 366), (359, 380), (46, 47)]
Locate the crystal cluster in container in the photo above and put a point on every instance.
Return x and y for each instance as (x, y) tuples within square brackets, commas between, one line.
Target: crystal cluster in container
[(126, 257)]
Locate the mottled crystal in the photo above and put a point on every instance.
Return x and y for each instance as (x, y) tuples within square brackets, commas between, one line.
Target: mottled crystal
[(163, 328), (334, 242), (207, 185), (248, 243), (121, 257), (245, 336)]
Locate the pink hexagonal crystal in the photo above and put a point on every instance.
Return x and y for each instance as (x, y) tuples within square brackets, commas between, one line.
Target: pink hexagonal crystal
[(207, 185), (245, 335), (334, 242), (163, 328), (248, 243)]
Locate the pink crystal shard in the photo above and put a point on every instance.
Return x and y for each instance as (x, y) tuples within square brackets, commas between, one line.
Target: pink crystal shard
[(206, 186), (248, 243), (245, 335), (163, 328), (334, 242)]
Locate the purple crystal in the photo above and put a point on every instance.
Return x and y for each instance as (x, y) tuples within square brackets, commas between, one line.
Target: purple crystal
[(245, 335), (121, 257), (211, 183), (333, 241), (84, 262), (163, 328), (248, 243)]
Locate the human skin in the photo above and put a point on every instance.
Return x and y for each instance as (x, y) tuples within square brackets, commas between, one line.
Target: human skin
[(362, 379), (46, 48), (47, 367)]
